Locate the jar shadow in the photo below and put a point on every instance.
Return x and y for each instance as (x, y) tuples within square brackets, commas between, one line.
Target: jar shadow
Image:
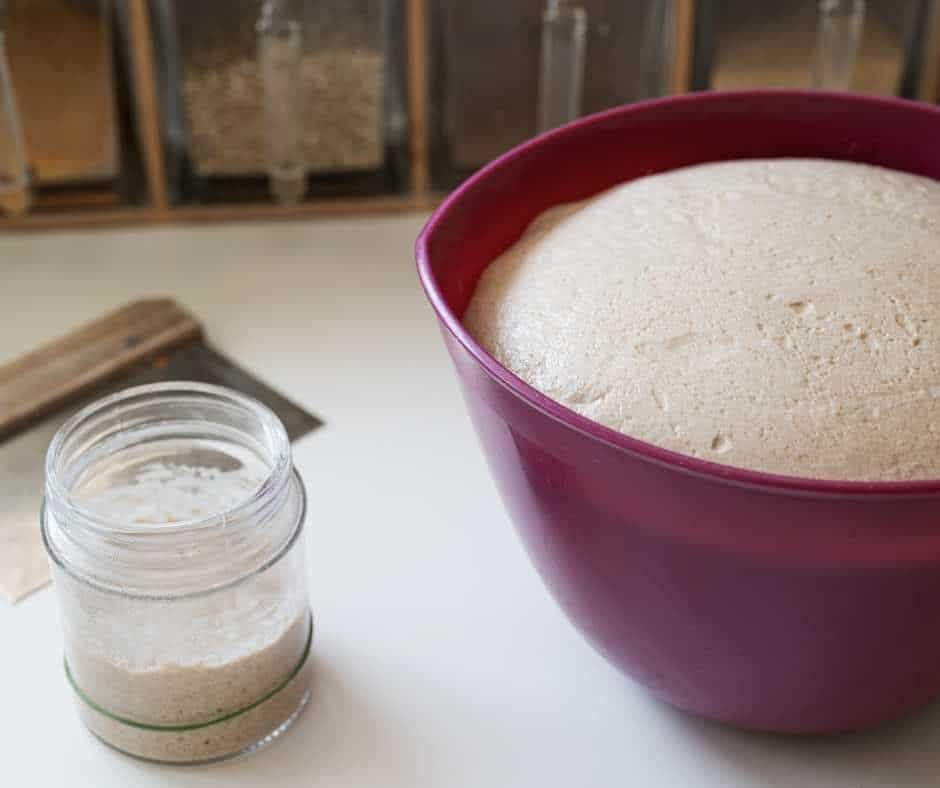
[(340, 738)]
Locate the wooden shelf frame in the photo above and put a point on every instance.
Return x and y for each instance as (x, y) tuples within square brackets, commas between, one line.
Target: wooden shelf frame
[(144, 79), (682, 45)]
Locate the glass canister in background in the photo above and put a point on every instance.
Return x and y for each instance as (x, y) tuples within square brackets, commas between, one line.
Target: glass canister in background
[(354, 138), (743, 44), (486, 60), (173, 519)]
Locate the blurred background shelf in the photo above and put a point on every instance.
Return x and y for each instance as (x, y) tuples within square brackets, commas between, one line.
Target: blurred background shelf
[(151, 111)]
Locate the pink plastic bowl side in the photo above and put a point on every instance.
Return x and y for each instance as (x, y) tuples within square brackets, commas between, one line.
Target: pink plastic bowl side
[(764, 601)]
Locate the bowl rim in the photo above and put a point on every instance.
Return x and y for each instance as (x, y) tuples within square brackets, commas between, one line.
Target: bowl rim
[(554, 410)]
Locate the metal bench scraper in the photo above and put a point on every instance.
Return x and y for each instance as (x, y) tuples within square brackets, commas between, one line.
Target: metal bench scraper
[(142, 342)]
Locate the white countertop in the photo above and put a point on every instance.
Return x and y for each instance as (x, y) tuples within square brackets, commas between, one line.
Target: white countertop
[(440, 658)]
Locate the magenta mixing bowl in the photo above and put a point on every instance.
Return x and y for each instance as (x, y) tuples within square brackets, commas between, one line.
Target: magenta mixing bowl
[(763, 601)]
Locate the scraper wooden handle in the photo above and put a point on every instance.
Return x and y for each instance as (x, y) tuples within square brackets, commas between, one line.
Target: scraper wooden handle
[(39, 382)]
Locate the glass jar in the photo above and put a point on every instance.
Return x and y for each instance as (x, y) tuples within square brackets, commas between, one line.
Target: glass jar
[(173, 519)]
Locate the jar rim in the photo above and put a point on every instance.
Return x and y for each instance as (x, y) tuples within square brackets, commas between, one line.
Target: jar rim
[(186, 557), (278, 473)]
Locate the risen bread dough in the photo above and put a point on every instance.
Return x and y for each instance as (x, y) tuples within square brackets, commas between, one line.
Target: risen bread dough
[(778, 315)]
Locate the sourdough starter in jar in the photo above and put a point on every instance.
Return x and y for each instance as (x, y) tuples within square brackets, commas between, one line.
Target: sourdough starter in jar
[(210, 662)]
